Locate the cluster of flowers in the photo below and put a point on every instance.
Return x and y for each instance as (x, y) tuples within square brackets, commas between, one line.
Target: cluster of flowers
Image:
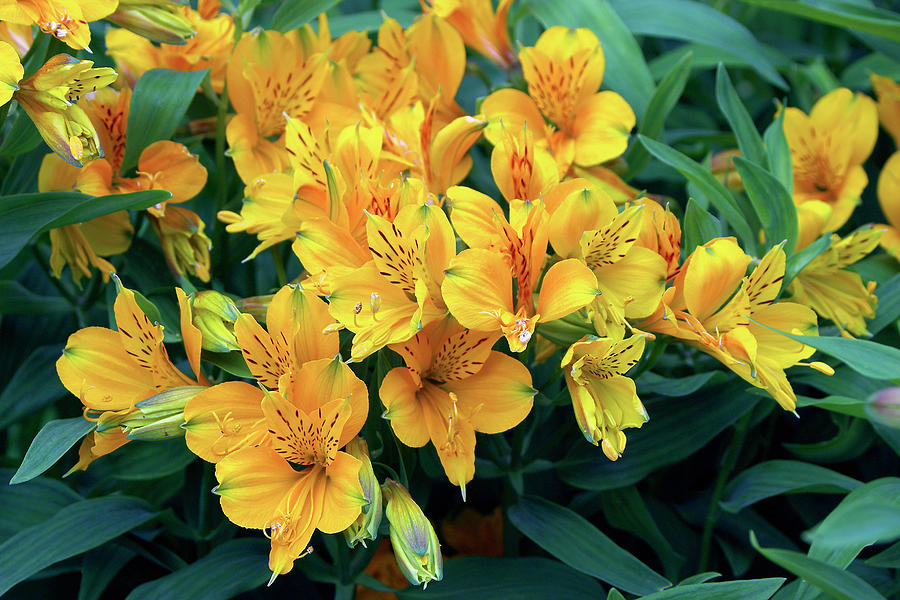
[(353, 152)]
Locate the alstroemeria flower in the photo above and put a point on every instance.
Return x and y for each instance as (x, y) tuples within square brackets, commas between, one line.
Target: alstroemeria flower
[(713, 306), (264, 435), (482, 28), (50, 97), (604, 399), (564, 70), (452, 386), (111, 371), (66, 20), (11, 71), (828, 147), (835, 293)]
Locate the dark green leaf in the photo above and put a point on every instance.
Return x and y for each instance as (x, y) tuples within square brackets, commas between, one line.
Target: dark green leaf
[(696, 22), (870, 514), (652, 383), (797, 261), (99, 567), (615, 594), (748, 138), (889, 559), (776, 477), (888, 309), (756, 589), (141, 461), (37, 375), (855, 407), (851, 15), (848, 443), (663, 100), (708, 185), (779, 153), (631, 77), (30, 503), (699, 226), (677, 428), (525, 578), (15, 299), (22, 216), (866, 358), (572, 539), (22, 137), (772, 203), (368, 20), (830, 579), (291, 15), (230, 362), (73, 530), (232, 568), (52, 441), (160, 99)]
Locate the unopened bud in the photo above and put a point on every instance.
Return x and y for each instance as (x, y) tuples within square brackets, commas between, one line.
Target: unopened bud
[(255, 306), (884, 407), (366, 525), (415, 543), (160, 416), (156, 21), (214, 315)]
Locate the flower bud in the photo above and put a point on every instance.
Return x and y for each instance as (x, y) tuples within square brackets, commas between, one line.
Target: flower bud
[(157, 21), (255, 306), (214, 316), (366, 525), (884, 407), (415, 543), (160, 416), (184, 244)]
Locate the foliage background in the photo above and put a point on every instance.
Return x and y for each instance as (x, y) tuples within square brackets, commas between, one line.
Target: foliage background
[(715, 463)]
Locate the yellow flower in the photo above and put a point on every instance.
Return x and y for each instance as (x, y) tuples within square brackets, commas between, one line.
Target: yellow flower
[(888, 93), (714, 307), (482, 28), (452, 386), (564, 70), (604, 400), (835, 293), (50, 97), (184, 244), (828, 147), (67, 20), (316, 412), (19, 36), (11, 71), (111, 371), (889, 199)]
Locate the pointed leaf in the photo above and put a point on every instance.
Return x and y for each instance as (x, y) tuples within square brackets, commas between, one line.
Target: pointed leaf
[(748, 138), (772, 203), (52, 441)]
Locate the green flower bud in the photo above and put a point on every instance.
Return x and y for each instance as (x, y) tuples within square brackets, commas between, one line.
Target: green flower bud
[(158, 417), (366, 525), (156, 21), (214, 315), (415, 543)]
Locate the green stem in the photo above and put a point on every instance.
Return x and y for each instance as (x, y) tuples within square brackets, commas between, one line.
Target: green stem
[(221, 181), (344, 591), (278, 259), (728, 461)]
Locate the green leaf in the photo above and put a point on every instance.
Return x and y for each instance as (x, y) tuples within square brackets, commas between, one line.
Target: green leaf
[(73, 530), (855, 407), (776, 477), (650, 382), (661, 103), (631, 78), (525, 578), (22, 137), (37, 374), (748, 138), (291, 15), (850, 442), (575, 541), (868, 515), (866, 358), (696, 22), (888, 559), (772, 202), (888, 309), (52, 441), (797, 261), (31, 503), (160, 99), (230, 362), (99, 567), (756, 589), (877, 21), (232, 568), (615, 594), (779, 153), (833, 581), (699, 226), (23, 216), (677, 428), (708, 185), (142, 461), (16, 299), (368, 20)]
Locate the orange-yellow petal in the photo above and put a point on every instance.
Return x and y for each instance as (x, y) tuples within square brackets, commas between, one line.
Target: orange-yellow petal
[(252, 483)]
